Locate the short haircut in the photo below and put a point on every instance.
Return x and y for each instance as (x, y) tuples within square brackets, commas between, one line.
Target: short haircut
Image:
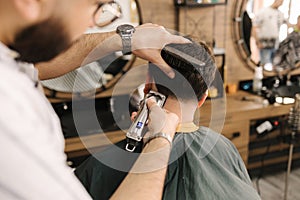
[(194, 67)]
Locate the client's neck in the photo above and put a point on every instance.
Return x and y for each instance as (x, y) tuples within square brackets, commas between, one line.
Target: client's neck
[(184, 110)]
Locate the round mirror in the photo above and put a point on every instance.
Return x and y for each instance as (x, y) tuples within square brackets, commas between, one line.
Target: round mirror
[(103, 73), (246, 25)]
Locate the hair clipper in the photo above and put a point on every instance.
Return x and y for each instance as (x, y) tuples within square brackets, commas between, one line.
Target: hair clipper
[(135, 132)]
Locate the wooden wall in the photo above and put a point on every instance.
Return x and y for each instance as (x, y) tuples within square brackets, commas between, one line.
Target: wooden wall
[(207, 22)]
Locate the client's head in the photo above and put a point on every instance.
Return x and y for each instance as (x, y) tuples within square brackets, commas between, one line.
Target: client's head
[(194, 68)]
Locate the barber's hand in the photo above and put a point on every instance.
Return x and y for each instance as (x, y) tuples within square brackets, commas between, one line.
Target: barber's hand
[(161, 120), (148, 41)]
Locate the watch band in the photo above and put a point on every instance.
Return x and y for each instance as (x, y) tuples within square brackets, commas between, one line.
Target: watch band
[(159, 134), (126, 41), (126, 31)]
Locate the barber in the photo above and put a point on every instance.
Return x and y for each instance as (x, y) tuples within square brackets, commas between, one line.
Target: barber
[(33, 163)]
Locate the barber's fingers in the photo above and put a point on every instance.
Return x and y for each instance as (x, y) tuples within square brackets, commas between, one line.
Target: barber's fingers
[(154, 56), (151, 102), (148, 41), (161, 120), (171, 38), (178, 39), (160, 63), (152, 36), (149, 25), (157, 118)]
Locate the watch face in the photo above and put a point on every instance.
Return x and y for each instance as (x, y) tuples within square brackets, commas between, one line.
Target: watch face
[(125, 28)]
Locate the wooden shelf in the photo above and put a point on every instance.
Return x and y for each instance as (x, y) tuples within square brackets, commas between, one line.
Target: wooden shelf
[(239, 115)]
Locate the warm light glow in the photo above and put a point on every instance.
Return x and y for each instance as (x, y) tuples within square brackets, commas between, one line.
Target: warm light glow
[(285, 100)]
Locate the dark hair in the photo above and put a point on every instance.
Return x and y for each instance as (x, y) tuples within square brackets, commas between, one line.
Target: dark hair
[(194, 68)]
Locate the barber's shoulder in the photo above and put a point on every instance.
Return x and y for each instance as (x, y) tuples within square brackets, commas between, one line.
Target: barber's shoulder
[(19, 94), (12, 82)]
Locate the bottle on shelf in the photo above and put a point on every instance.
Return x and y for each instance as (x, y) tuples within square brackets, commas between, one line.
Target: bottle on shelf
[(257, 79)]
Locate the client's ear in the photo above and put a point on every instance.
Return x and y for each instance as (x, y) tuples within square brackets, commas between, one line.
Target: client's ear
[(201, 101)]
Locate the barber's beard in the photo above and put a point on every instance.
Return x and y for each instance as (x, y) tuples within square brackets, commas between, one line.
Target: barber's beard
[(41, 42)]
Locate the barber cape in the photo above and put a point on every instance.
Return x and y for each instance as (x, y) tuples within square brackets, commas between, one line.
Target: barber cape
[(203, 165)]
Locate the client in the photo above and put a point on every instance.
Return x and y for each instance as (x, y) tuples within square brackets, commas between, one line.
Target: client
[(203, 164)]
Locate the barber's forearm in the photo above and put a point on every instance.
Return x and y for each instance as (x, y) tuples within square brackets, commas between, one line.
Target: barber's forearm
[(79, 52), (146, 179)]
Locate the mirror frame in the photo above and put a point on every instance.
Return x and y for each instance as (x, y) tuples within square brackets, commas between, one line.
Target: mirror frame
[(59, 96), (238, 36), (196, 4)]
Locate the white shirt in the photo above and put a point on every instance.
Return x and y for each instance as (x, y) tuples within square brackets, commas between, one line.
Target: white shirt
[(268, 21), (33, 163)]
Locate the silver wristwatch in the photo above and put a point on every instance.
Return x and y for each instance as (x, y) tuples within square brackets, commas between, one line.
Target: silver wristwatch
[(126, 31)]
